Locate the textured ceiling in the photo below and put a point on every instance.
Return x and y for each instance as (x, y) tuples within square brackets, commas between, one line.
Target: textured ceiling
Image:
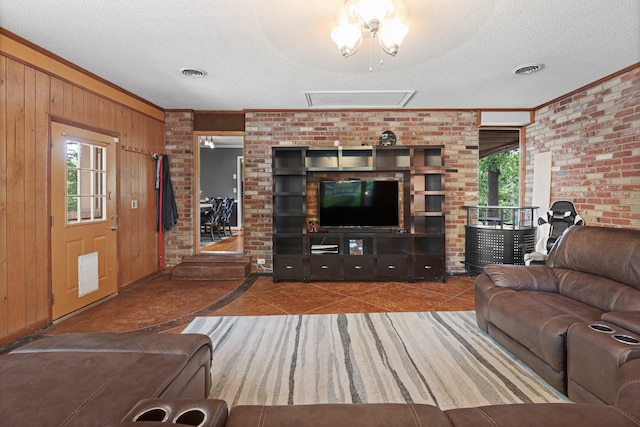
[(267, 54)]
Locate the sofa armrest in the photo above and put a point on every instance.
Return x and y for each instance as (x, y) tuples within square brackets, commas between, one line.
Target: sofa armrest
[(522, 278), (629, 320), (128, 342), (485, 291), (628, 385)]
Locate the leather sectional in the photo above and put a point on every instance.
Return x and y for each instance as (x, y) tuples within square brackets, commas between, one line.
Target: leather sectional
[(146, 379), (576, 320)]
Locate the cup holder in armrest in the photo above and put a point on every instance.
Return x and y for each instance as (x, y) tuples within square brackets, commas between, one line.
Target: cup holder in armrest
[(192, 417), (601, 328), (152, 414), (626, 339), (179, 412)]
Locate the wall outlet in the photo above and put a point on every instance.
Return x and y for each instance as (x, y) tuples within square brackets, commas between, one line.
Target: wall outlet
[(260, 261), (134, 204)]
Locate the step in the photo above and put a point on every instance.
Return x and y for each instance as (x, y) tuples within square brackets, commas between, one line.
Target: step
[(213, 267)]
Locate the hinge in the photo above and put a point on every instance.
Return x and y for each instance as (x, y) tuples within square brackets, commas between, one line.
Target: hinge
[(51, 220), (53, 299)]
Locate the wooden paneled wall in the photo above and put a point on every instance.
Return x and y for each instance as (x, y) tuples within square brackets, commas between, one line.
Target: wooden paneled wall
[(32, 93)]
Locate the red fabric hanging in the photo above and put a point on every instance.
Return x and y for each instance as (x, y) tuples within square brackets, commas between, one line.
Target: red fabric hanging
[(160, 227)]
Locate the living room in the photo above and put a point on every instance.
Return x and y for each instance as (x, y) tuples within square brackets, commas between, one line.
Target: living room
[(591, 131)]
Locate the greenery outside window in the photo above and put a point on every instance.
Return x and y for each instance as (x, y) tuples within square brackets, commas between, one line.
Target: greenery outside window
[(86, 186)]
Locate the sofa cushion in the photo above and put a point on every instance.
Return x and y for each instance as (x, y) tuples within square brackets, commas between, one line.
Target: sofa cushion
[(606, 294), (331, 415), (539, 321), (544, 415), (612, 253)]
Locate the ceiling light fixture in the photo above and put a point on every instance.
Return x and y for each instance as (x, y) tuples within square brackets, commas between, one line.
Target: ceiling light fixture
[(207, 141), (379, 18)]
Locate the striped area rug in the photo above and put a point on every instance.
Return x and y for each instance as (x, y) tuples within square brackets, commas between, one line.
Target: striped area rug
[(441, 358)]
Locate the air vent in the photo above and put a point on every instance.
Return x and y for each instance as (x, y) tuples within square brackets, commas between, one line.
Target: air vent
[(528, 69), (193, 73), (358, 99)]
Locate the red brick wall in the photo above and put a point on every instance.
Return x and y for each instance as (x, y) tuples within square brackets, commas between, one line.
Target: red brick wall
[(179, 147), (594, 137), (457, 130)]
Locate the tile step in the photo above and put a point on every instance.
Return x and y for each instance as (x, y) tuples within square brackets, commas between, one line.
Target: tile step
[(212, 267)]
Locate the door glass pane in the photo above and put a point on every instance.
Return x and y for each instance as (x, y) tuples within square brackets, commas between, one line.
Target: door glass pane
[(86, 182)]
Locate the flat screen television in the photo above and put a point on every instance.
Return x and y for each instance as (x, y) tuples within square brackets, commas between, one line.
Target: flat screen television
[(362, 203)]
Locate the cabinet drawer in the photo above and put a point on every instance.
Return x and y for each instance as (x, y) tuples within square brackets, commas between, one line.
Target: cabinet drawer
[(428, 268), (358, 268), (288, 268), (393, 266), (326, 267)]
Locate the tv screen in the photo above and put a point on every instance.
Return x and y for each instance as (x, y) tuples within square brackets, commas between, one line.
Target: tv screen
[(366, 203)]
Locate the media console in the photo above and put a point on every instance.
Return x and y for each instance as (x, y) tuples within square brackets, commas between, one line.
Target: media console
[(414, 250)]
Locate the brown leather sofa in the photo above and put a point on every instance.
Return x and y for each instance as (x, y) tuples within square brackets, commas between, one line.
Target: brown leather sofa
[(418, 415), (95, 379), (402, 415), (162, 380), (576, 320)]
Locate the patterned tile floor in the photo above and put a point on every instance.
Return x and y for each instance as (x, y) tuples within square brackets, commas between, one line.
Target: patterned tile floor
[(166, 305)]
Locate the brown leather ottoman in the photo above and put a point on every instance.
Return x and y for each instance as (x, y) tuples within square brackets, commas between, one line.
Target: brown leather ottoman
[(95, 379), (332, 415)]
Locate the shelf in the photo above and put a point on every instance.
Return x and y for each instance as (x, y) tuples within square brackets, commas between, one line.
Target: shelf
[(424, 224), (428, 157), (429, 203), (321, 159), (288, 184), (392, 159), (288, 158), (432, 245)]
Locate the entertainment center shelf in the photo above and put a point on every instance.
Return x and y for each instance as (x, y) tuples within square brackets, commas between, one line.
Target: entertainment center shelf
[(412, 249)]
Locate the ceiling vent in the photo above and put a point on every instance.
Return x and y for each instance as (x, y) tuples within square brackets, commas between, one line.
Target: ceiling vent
[(358, 99), (193, 73), (528, 69)]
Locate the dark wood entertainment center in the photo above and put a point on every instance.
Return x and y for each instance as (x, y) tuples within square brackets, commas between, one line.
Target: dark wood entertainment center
[(413, 251)]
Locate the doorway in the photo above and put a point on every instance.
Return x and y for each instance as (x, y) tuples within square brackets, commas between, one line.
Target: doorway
[(499, 167), (84, 224), (220, 169)]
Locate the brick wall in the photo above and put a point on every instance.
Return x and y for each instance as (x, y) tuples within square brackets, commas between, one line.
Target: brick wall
[(179, 147), (456, 130), (594, 137)]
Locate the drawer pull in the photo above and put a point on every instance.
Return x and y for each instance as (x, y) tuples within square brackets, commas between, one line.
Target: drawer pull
[(428, 267), (324, 267), (357, 267), (391, 267), (289, 267)]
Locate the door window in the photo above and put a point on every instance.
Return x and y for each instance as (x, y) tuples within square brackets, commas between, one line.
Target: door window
[(86, 183)]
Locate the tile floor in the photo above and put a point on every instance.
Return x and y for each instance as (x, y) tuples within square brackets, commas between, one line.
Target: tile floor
[(166, 305)]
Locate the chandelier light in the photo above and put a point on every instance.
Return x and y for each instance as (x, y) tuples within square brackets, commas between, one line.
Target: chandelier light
[(377, 18), (207, 141)]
